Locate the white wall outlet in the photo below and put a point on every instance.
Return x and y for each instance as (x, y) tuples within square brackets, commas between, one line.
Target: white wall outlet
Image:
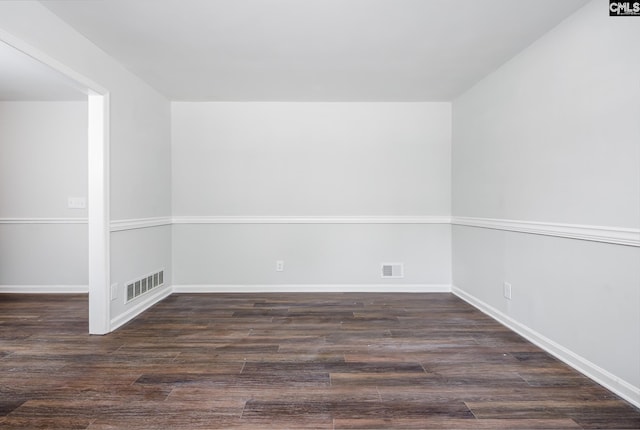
[(114, 291), (77, 203), (279, 266), (507, 290)]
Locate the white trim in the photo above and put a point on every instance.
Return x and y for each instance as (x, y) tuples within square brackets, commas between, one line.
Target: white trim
[(614, 235), (44, 221), (132, 224), (135, 223), (99, 216), (141, 305), (313, 288), (29, 50), (44, 289), (619, 386), (311, 220)]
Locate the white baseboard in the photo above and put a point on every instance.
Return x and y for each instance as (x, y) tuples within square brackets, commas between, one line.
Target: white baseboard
[(45, 289), (314, 288), (139, 306), (622, 388)]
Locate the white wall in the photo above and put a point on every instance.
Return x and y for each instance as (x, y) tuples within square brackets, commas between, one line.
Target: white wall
[(314, 254), (139, 139), (43, 161), (310, 160), (553, 137)]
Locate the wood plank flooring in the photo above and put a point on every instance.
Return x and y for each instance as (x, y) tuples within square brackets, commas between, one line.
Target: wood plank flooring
[(321, 361)]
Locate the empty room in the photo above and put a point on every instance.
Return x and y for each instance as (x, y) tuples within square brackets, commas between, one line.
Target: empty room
[(323, 214)]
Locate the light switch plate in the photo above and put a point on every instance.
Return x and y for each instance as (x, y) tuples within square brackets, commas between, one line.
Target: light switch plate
[(507, 290), (77, 203)]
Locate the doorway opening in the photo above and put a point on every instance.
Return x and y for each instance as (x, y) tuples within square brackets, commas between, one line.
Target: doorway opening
[(98, 218)]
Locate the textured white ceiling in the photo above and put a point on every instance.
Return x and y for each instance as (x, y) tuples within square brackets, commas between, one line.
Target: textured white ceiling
[(312, 50), (23, 78)]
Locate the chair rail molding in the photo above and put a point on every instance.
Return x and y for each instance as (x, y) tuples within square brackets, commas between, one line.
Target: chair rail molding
[(426, 219), (136, 223), (594, 233), (43, 220), (44, 289), (614, 235)]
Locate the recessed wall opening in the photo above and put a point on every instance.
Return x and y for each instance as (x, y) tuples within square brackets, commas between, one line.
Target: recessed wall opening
[(30, 76)]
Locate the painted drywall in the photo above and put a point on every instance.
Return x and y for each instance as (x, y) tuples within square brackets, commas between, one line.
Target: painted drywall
[(324, 254), (151, 252), (140, 168), (43, 161), (553, 136), (43, 255), (583, 295), (306, 160), (43, 158), (311, 158)]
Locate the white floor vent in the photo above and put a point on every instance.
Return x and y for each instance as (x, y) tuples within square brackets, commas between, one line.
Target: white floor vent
[(143, 285), (392, 270)]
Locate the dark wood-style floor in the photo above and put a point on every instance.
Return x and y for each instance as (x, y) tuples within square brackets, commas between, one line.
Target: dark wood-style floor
[(287, 361)]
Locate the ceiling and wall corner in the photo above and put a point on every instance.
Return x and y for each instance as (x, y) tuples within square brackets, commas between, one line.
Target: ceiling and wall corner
[(312, 50), (23, 78)]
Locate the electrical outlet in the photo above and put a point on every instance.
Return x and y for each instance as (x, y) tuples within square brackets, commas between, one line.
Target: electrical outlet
[(114, 291), (507, 290), (279, 266)]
